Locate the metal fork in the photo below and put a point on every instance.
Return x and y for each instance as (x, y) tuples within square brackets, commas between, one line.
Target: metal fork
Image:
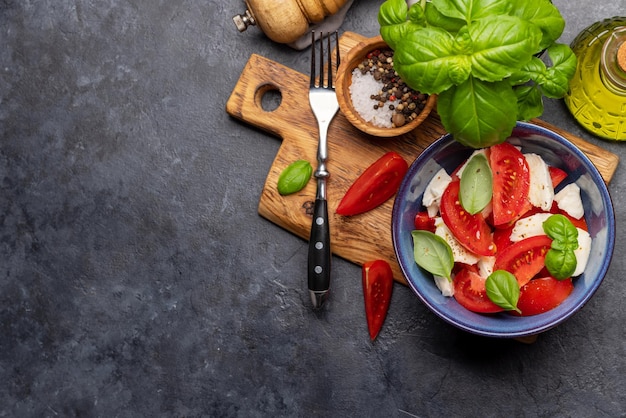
[(324, 104)]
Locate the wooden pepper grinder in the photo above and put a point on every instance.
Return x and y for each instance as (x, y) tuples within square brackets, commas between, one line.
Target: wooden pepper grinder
[(285, 21)]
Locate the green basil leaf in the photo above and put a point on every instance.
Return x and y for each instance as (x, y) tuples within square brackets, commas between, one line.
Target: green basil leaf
[(392, 12), (562, 230), (476, 184), (556, 81), (545, 16), (561, 264), (396, 20), (416, 14), (529, 102), (563, 58), (501, 45), (471, 10), (293, 178), (534, 69), (435, 18), (427, 60), (479, 114), (555, 84), (451, 9), (433, 253), (503, 289), (562, 246)]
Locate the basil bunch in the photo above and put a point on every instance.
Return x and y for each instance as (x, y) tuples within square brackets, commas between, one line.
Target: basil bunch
[(480, 58)]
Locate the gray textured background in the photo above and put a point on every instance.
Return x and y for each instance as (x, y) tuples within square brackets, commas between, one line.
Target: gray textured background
[(136, 278)]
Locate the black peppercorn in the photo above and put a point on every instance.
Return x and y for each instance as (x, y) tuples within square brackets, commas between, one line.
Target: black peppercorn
[(379, 63)]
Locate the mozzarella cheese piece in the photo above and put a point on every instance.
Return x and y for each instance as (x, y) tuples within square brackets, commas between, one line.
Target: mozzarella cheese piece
[(568, 200), (541, 192), (459, 172), (434, 190), (459, 252), (529, 226), (444, 285), (582, 252), (485, 266)]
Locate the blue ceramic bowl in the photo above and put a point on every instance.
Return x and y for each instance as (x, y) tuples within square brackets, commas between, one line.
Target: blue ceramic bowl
[(556, 151)]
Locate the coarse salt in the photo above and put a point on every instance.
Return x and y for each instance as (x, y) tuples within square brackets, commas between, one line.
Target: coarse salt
[(362, 88)]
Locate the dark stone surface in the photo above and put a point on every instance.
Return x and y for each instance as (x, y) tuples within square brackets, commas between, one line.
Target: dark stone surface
[(137, 278)]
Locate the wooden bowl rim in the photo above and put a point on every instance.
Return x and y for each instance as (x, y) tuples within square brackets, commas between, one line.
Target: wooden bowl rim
[(344, 80)]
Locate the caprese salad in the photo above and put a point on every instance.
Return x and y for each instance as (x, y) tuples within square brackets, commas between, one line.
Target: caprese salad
[(497, 237)]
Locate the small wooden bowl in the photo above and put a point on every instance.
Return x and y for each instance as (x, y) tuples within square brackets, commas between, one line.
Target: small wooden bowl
[(344, 79)]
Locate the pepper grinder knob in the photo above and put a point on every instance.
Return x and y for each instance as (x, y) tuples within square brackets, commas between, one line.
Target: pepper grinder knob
[(244, 20)]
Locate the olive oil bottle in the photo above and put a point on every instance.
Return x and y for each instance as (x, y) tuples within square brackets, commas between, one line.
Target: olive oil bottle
[(597, 94)]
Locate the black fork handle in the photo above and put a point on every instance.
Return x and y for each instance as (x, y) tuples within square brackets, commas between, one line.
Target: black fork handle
[(319, 259)]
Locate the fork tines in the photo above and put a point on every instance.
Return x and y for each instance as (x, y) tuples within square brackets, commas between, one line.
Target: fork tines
[(329, 62)]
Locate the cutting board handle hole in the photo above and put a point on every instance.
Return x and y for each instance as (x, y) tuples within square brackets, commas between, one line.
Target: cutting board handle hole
[(268, 97)]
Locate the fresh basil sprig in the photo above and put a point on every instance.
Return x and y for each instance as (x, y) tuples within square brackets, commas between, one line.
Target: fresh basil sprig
[(476, 184), (503, 290), (433, 253), (479, 56), (560, 258)]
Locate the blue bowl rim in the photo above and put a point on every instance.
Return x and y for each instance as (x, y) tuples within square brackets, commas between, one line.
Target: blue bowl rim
[(541, 322)]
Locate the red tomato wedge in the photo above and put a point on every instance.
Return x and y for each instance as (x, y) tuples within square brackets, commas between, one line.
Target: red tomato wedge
[(470, 292), (424, 222), (511, 183), (374, 186), (525, 258), (542, 294), (557, 175), (502, 237), (377, 280), (472, 231), (578, 223)]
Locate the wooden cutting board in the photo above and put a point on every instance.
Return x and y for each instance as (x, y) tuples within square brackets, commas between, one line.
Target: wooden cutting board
[(363, 237)]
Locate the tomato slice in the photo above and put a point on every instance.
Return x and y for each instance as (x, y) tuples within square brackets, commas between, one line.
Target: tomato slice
[(525, 258), (424, 222), (578, 223), (511, 183), (502, 237), (542, 294), (377, 279), (470, 292), (374, 186), (557, 175), (472, 231)]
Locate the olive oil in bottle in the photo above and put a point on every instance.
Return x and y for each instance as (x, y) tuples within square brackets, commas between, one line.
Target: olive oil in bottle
[(597, 94)]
